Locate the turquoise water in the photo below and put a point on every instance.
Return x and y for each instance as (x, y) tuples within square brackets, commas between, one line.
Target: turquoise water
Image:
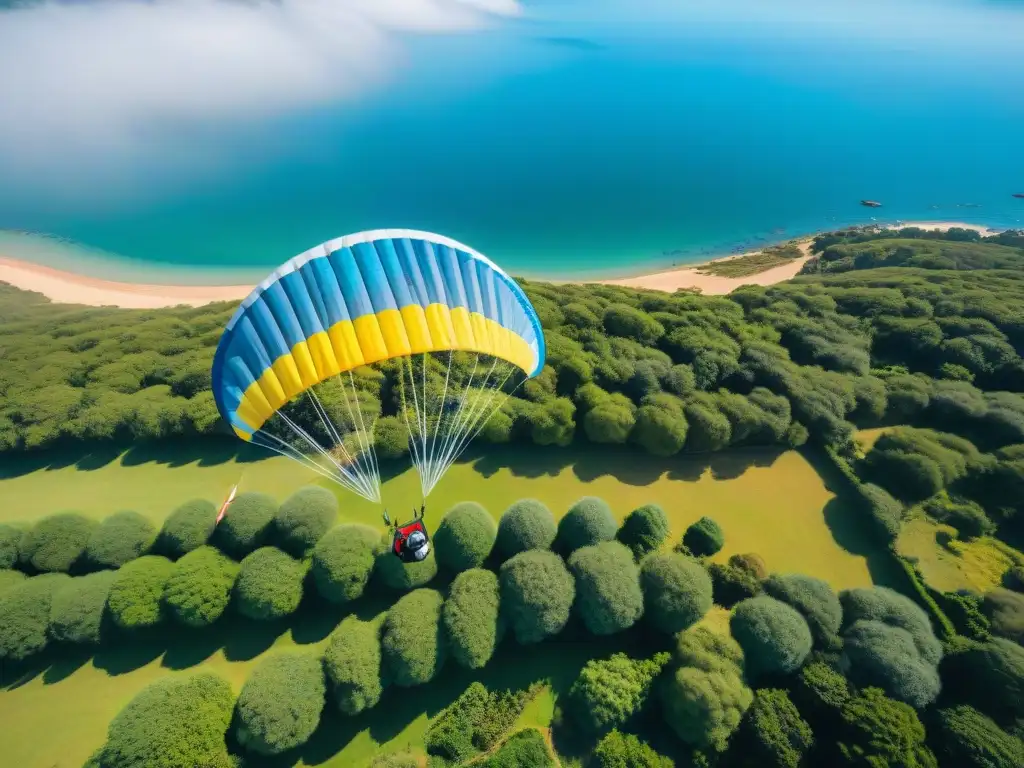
[(602, 138)]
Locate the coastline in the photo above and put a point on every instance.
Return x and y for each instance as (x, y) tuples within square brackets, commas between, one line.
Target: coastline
[(71, 288)]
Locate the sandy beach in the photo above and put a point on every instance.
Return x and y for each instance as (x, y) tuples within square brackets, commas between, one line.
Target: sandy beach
[(70, 288)]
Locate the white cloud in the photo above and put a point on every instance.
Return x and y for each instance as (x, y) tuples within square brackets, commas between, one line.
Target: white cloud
[(87, 82)]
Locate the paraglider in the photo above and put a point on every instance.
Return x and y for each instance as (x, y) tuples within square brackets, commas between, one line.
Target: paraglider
[(451, 332)]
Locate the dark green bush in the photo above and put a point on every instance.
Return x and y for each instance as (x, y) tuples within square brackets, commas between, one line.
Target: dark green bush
[(245, 525), (968, 518), (473, 723), (527, 524), (677, 591), (199, 588), (25, 616), (710, 651), (624, 750), (413, 644), (608, 595), (78, 607), (56, 542), (988, 676), (588, 521), (1005, 612), (537, 592), (644, 530), (890, 607), (813, 598), (119, 538), (281, 702), (303, 518), (525, 749), (472, 617), (732, 584), (775, 638), (172, 723), (704, 537), (352, 661), (820, 692), (704, 708), (394, 574), (773, 732), (9, 579), (610, 691), (1014, 578), (10, 541), (137, 592), (877, 731), (752, 563), (465, 537), (885, 657), (343, 560), (187, 528), (269, 584), (968, 739)]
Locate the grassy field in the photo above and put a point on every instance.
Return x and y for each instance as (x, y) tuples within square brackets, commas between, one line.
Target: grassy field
[(767, 502)]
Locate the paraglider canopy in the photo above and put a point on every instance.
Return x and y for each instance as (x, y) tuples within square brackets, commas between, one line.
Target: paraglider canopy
[(284, 375)]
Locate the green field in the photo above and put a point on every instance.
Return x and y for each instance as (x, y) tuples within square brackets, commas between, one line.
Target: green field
[(769, 502)]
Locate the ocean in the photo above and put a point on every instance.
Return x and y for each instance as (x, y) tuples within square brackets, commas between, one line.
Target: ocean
[(587, 139)]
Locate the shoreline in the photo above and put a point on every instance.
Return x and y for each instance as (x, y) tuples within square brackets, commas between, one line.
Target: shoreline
[(64, 287)]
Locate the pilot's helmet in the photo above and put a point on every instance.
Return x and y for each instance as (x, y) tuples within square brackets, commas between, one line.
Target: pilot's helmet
[(416, 540), (422, 552)]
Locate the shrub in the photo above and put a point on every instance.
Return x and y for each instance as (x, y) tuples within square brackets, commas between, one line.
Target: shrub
[(199, 588), (527, 524), (704, 708), (644, 530), (890, 607), (245, 525), (395, 574), (352, 661), (885, 657), (752, 563), (703, 649), (610, 691), (25, 615), (732, 584), (775, 638), (56, 542), (472, 618), (885, 511), (465, 537), (137, 592), (303, 518), (397, 759), (813, 598), (281, 702), (413, 644), (343, 560), (879, 731), (473, 722), (187, 528), (269, 584), (10, 579), (10, 540), (820, 691), (588, 521), (624, 750), (608, 594), (989, 677), (173, 722), (537, 592), (525, 749), (119, 538), (78, 607), (968, 518), (969, 739), (677, 591), (704, 538), (1014, 578), (773, 732), (1005, 612)]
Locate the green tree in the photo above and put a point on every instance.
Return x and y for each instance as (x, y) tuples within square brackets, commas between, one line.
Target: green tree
[(815, 601), (77, 609), (610, 691), (704, 537), (884, 656), (280, 703), (343, 560), (537, 593), (732, 584), (624, 750), (879, 731), (187, 528), (704, 708), (57, 542), (173, 722), (10, 540), (527, 524), (988, 676), (25, 615), (246, 523), (967, 738), (775, 638), (773, 732), (624, 320), (677, 591), (269, 584), (199, 588), (352, 661), (390, 437), (414, 647), (752, 563), (644, 530), (10, 579), (465, 537), (136, 595), (608, 594), (890, 607), (1005, 612), (119, 538), (303, 518), (472, 618), (661, 427), (588, 521)]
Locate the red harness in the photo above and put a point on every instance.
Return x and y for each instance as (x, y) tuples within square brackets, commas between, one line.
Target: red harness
[(403, 532)]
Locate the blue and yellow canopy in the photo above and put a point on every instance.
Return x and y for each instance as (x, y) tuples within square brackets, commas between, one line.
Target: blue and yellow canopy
[(363, 298)]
